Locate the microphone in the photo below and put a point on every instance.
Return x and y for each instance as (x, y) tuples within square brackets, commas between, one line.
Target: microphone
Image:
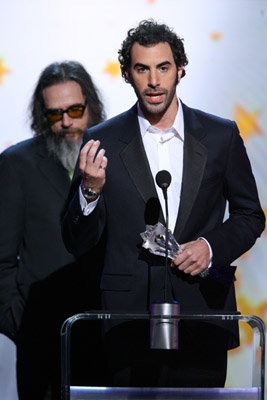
[(163, 179), (164, 332)]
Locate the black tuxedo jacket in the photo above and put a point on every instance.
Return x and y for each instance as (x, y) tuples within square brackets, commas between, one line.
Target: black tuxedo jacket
[(39, 280), (216, 169)]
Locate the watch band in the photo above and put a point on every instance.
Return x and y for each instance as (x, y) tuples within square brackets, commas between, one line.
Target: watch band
[(89, 193)]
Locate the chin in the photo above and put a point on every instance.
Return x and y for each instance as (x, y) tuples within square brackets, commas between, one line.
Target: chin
[(155, 110)]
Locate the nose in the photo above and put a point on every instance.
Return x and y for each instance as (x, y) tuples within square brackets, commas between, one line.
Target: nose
[(66, 121), (153, 80)]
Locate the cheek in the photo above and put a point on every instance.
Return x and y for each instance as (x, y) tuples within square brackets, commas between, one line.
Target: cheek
[(84, 122), (139, 87), (55, 127)]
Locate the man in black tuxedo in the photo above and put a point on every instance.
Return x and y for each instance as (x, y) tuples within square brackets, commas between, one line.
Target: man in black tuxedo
[(114, 196), (41, 284)]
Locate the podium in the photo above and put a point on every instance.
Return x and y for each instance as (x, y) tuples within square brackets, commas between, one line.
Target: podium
[(256, 390)]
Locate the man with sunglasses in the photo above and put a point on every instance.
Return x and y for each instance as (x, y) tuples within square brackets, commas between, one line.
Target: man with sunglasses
[(41, 284)]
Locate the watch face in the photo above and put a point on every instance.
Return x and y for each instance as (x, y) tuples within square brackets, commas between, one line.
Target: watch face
[(89, 194)]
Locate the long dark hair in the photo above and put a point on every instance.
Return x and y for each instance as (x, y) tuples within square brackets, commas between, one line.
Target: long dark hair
[(63, 72), (147, 33)]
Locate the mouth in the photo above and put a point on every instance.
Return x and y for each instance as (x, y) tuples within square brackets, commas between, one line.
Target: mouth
[(154, 97), (70, 133), (74, 136)]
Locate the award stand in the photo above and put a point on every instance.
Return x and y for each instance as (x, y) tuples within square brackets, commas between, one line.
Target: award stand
[(254, 392), (164, 332)]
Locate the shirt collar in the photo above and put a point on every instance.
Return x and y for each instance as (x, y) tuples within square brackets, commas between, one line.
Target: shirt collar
[(178, 125)]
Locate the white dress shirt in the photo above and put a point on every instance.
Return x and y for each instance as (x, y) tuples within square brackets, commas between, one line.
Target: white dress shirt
[(165, 151)]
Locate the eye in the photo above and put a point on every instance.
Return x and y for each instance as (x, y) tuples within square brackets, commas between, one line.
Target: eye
[(163, 68), (76, 108), (54, 112), (141, 69)]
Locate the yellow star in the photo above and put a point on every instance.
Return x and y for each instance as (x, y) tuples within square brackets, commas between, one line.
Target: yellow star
[(216, 36), (113, 68), (3, 70), (247, 122)]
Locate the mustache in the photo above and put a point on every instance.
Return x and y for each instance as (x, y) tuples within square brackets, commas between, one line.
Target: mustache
[(63, 132), (155, 90)]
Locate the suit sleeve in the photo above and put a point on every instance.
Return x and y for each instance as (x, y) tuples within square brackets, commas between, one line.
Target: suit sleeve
[(11, 236), (81, 233), (246, 220)]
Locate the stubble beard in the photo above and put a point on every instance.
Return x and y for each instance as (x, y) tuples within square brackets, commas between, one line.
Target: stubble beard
[(155, 109)]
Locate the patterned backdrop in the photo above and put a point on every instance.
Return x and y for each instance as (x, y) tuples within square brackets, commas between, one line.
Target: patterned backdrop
[(226, 43)]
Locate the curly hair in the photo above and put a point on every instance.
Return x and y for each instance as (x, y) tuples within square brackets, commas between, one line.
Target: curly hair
[(59, 73), (148, 33)]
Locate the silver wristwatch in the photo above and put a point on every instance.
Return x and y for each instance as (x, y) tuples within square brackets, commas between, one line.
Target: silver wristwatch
[(89, 194)]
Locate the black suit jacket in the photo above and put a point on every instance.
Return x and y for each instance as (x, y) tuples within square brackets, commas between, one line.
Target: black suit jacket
[(216, 169), (39, 280)]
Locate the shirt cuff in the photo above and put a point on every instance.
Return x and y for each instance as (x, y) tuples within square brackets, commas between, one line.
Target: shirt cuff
[(210, 249)]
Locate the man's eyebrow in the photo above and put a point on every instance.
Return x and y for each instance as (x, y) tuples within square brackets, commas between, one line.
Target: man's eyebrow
[(163, 63), (140, 65)]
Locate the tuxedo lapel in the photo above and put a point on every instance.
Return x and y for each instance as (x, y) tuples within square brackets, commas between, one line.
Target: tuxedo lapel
[(195, 156), (53, 171)]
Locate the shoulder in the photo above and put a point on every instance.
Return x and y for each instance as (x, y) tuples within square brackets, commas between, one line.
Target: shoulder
[(24, 152), (206, 119), (113, 124), (24, 147)]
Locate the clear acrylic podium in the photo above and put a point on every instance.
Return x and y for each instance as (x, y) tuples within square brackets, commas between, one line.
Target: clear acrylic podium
[(254, 391)]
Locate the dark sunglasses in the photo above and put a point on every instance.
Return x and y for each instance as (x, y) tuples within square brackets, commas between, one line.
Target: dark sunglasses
[(75, 111)]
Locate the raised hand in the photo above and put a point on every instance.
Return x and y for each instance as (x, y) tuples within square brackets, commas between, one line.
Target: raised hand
[(93, 163)]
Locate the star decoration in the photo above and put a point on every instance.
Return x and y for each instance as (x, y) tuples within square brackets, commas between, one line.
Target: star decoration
[(247, 122), (3, 70), (113, 68), (216, 36)]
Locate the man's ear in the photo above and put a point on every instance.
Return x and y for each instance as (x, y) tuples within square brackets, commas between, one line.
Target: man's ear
[(127, 76), (179, 73)]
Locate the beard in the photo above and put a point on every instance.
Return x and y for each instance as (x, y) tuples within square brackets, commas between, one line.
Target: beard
[(63, 148), (152, 108)]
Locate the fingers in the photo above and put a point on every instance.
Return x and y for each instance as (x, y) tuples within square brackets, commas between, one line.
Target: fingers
[(93, 164), (194, 258), (90, 156), (104, 163)]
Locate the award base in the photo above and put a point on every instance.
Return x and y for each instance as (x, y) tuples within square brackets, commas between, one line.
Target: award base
[(164, 332)]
